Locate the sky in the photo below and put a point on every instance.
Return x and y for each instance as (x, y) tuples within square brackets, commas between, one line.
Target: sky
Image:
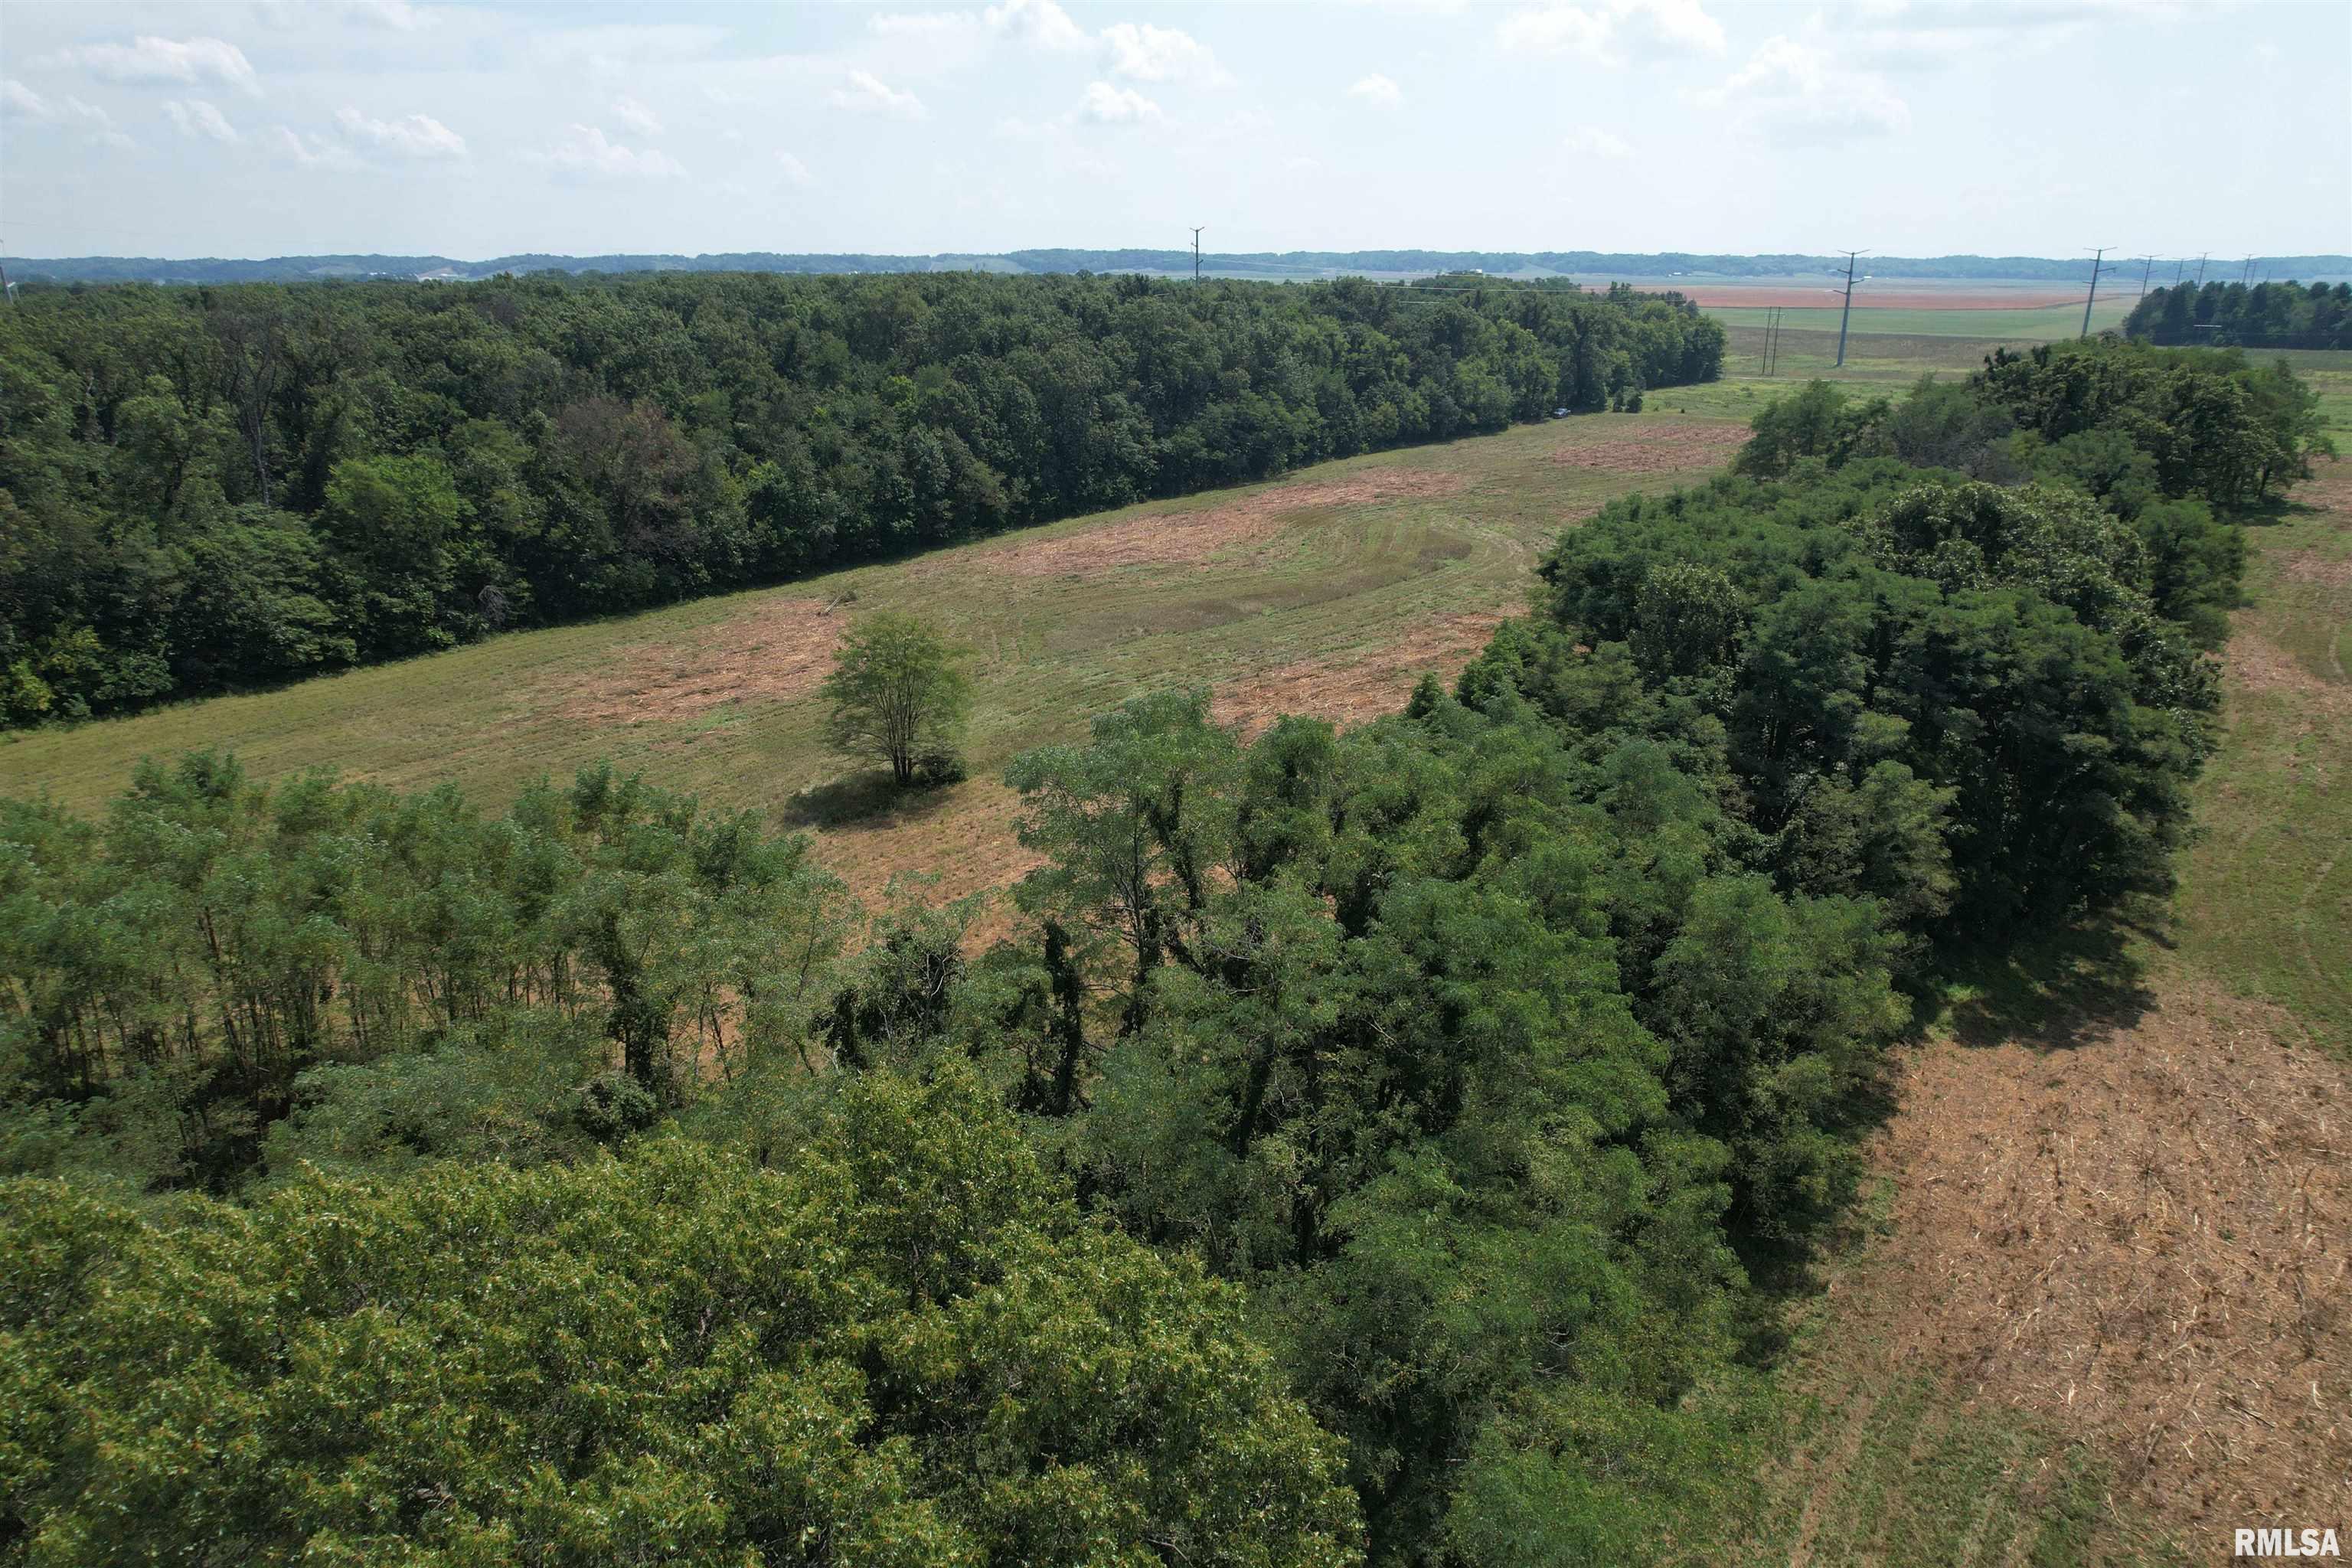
[(1908, 127)]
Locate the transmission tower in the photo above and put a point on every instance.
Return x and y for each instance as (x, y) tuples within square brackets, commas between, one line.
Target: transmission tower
[(1196, 252), (1847, 315), (2097, 257)]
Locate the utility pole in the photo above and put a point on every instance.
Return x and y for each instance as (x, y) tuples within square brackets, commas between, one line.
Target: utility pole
[(2148, 267), (1196, 252), (1846, 315), (2096, 257), (2179, 270), (2200, 269)]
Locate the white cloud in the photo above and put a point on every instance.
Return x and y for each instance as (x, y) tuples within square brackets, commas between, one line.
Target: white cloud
[(1377, 90), (410, 136), (869, 95), (22, 103), (1927, 35), (310, 151), (1108, 105), (1800, 93), (1591, 141), (586, 150), (153, 60), (1614, 31), (195, 117), (1162, 54), (398, 14), (795, 172), (1039, 22), (636, 116), (929, 27)]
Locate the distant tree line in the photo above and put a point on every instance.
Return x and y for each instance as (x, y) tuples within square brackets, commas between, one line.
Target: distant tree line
[(2286, 315), (582, 1182), (1305, 265), (216, 487)]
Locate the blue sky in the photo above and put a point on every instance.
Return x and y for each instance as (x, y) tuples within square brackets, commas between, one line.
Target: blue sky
[(1909, 126)]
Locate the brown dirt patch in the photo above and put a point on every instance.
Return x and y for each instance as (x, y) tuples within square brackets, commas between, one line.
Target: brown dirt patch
[(1656, 446), (2144, 1239), (775, 648), (1190, 538), (1356, 688)]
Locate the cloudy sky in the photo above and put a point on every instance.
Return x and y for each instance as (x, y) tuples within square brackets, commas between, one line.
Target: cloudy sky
[(1913, 127)]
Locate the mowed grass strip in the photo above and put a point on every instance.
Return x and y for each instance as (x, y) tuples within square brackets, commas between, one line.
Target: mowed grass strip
[(2265, 902), (1332, 565)]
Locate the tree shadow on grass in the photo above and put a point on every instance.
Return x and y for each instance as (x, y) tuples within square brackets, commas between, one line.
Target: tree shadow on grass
[(868, 799), (2055, 993)]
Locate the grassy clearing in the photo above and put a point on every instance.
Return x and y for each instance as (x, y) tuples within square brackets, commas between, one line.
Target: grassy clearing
[(1328, 568)]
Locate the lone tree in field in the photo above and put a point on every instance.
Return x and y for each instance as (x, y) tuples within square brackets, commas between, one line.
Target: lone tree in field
[(899, 693)]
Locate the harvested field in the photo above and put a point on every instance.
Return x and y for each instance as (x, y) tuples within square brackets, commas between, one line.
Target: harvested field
[(1353, 689), (2022, 297), (1192, 538), (1658, 446), (2144, 1237), (774, 648)]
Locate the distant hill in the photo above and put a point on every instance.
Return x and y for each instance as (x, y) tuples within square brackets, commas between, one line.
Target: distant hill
[(1589, 264)]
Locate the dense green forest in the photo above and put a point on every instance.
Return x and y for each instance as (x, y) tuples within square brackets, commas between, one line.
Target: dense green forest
[(1384, 1142), (2231, 315), (220, 487), (1590, 265)]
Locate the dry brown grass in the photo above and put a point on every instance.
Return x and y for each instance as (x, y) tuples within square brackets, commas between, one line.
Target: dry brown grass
[(1658, 446), (2258, 665), (1354, 688), (2310, 566), (1190, 538), (2145, 1239), (775, 648)]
